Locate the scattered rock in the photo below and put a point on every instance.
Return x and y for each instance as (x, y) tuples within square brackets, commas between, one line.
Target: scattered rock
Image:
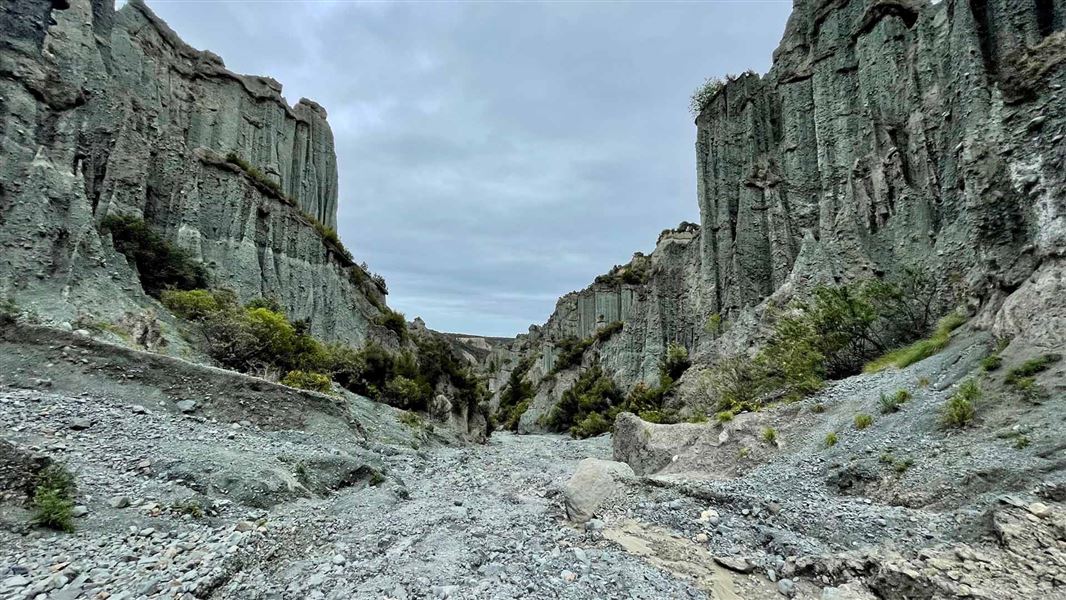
[(739, 565), (187, 406), (593, 482), (80, 424), (119, 502)]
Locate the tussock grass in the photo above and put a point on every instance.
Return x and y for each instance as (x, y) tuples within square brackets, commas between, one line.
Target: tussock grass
[(920, 350)]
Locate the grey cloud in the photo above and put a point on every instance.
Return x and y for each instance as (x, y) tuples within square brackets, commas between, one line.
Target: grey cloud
[(494, 156)]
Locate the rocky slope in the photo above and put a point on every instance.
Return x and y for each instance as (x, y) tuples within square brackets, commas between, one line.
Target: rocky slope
[(104, 113), (886, 134)]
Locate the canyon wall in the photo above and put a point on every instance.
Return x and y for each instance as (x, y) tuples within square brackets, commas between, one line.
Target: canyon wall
[(887, 133), (106, 112)]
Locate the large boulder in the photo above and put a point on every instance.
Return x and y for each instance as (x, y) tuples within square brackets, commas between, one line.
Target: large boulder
[(594, 482), (649, 448)]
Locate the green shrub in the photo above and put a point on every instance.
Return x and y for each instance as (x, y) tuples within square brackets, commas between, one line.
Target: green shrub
[(395, 322), (697, 417), (1021, 442), (736, 383), (515, 397), (891, 404), (724, 416), (194, 305), (9, 312), (863, 420), (961, 408), (713, 325), (607, 331), (593, 392), (304, 380), (818, 408), (920, 350), (1031, 367), (654, 416), (403, 392), (991, 363), (53, 499), (769, 435), (412, 420), (592, 425), (160, 264), (571, 350), (674, 364), (831, 439)]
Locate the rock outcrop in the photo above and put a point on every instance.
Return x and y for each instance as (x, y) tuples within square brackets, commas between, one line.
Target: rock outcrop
[(886, 134), (106, 112)]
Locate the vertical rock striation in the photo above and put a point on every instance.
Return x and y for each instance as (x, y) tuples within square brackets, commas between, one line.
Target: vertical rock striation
[(886, 133), (105, 112)]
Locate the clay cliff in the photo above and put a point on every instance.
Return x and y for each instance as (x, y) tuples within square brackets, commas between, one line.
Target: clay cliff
[(886, 135), (106, 112)]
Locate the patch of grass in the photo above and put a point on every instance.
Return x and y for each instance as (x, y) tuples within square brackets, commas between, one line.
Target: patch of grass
[(412, 420), (304, 380), (53, 499), (920, 350), (744, 452), (1022, 442), (376, 478), (189, 507), (961, 408), (769, 435), (697, 417), (724, 416), (892, 403), (1030, 368), (831, 439), (863, 420), (818, 408), (257, 176), (607, 331), (991, 363), (923, 382)]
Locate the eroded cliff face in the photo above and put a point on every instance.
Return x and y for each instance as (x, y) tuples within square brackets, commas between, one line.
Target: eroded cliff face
[(105, 112), (887, 134)]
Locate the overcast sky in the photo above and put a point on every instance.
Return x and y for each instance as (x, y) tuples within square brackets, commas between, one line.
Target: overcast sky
[(494, 156)]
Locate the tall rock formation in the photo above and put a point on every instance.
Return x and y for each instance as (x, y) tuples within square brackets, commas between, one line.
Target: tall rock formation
[(887, 133), (108, 112)]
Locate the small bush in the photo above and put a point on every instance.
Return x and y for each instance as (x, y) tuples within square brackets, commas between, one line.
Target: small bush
[(571, 351), (961, 408), (1031, 367), (891, 404), (769, 435), (1021, 442), (53, 499), (404, 392), (654, 416), (697, 417), (592, 425), (395, 322), (593, 392), (412, 420), (674, 363), (304, 380), (607, 331), (713, 325), (724, 416), (194, 305), (160, 264), (831, 439), (991, 363), (818, 408), (863, 420), (515, 397), (735, 382)]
